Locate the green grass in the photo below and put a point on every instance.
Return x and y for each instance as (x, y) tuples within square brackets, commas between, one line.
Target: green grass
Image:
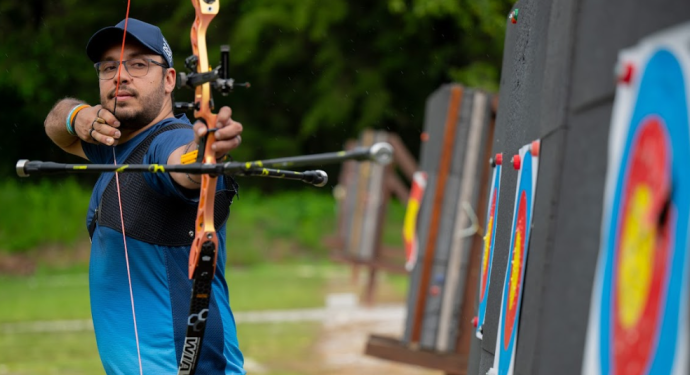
[(271, 286), (51, 296), (72, 353), (56, 296), (282, 348), (45, 297), (276, 261)]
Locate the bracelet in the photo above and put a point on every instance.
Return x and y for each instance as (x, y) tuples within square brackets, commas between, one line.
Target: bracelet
[(69, 121)]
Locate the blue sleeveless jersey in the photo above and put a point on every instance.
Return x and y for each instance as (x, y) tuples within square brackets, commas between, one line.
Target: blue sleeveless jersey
[(160, 283)]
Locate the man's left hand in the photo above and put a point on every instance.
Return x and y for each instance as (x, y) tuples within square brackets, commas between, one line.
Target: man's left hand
[(228, 133)]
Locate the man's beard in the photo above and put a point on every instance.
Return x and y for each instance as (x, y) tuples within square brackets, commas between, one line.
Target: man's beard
[(132, 119)]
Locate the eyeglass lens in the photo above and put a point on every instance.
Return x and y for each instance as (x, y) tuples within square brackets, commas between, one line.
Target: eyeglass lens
[(135, 67)]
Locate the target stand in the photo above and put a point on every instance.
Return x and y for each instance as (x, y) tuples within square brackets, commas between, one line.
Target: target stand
[(444, 274), (362, 193)]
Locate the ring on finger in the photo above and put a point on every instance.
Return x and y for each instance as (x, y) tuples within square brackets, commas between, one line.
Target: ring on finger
[(92, 130), (100, 120)]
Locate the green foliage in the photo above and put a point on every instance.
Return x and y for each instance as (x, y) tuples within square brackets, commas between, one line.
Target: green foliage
[(393, 226), (290, 225), (261, 227), (320, 71), (45, 213), (273, 227)]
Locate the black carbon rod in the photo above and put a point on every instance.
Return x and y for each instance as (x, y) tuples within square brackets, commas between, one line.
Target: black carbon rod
[(317, 178), (27, 168), (380, 152)]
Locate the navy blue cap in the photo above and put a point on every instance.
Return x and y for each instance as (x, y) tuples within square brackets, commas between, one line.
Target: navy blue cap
[(148, 35)]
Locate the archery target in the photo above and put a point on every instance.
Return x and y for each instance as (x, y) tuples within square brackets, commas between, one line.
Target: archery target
[(638, 314), (513, 283), (414, 203), (488, 250)]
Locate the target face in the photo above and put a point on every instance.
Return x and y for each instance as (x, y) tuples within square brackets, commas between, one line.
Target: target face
[(641, 249), (488, 250), (411, 216), (513, 284), (515, 273), (638, 317)]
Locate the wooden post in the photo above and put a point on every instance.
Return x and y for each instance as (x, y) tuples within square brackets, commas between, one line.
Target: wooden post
[(443, 171)]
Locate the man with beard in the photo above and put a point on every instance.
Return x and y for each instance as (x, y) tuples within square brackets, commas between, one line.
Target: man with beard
[(139, 287)]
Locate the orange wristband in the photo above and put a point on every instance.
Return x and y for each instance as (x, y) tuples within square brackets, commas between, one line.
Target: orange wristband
[(74, 114)]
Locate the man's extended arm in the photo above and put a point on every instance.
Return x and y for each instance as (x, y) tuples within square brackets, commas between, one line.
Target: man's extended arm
[(56, 127), (228, 137), (57, 131)]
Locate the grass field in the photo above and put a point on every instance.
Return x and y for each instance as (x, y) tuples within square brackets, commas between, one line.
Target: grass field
[(277, 254), (52, 295)]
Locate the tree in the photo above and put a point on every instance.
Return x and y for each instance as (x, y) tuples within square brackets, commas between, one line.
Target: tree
[(321, 71)]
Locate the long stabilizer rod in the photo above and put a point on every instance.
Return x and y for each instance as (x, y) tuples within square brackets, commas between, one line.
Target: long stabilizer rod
[(381, 153)]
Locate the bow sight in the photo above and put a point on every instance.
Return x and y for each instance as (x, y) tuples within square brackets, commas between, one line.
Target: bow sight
[(218, 77)]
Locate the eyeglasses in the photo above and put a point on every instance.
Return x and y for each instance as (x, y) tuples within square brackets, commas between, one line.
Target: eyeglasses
[(138, 67)]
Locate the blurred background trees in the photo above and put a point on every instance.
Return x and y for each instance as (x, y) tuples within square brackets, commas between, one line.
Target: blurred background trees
[(321, 70)]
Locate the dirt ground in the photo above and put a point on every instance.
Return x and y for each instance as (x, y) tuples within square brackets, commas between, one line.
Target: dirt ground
[(346, 330), (341, 348)]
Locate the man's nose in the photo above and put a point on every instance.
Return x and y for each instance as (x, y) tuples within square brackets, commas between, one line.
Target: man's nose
[(123, 75)]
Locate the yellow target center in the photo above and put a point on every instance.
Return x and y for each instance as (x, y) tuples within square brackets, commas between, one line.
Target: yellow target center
[(515, 270), (487, 244), (410, 220), (636, 257)]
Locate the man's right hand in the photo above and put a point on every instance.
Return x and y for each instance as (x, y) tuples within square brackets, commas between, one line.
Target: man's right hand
[(97, 125)]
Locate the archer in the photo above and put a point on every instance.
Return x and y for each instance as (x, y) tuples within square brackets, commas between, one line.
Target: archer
[(138, 277)]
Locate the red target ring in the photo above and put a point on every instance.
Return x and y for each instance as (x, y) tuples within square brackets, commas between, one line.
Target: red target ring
[(488, 239), (642, 250), (515, 274)]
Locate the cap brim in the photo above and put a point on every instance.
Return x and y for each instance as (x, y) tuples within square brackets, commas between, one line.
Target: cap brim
[(106, 38)]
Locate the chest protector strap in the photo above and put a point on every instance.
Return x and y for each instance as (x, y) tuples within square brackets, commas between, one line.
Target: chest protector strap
[(151, 217)]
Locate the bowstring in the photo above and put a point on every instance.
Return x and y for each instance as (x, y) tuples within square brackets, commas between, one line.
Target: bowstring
[(119, 197)]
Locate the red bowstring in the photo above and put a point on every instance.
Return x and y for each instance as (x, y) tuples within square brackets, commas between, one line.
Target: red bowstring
[(119, 197)]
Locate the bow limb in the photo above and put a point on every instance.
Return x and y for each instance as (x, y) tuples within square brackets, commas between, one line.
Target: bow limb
[(204, 251), (205, 229)]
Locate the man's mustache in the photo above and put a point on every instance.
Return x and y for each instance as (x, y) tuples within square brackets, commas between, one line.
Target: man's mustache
[(123, 90)]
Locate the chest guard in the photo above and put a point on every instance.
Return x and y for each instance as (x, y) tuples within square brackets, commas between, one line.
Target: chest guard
[(149, 216)]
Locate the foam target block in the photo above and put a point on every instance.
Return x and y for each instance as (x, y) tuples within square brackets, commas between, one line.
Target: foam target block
[(447, 218), (638, 321)]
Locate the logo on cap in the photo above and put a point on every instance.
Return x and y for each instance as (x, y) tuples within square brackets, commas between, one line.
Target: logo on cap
[(168, 52)]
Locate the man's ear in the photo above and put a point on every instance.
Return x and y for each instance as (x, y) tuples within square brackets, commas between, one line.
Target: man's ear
[(170, 80)]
